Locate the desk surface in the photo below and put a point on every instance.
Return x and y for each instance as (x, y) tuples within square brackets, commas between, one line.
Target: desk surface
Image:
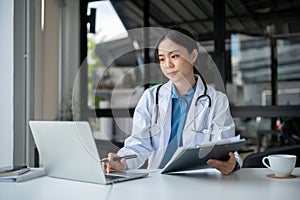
[(246, 184)]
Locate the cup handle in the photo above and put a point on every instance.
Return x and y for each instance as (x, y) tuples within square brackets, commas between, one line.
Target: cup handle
[(265, 164)]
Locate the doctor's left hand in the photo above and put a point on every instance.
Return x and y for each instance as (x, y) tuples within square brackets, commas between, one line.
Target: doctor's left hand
[(225, 167)]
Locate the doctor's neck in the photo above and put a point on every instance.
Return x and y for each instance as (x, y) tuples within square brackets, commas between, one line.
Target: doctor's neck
[(185, 85)]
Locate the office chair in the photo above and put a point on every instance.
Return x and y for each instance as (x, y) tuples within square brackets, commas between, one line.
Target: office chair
[(255, 160)]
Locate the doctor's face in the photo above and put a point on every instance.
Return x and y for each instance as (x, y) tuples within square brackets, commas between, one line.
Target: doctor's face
[(175, 61)]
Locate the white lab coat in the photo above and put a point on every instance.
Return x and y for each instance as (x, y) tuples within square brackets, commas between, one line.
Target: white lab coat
[(149, 141)]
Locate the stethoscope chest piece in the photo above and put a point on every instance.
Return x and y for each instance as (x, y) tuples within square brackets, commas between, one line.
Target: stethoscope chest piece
[(154, 130)]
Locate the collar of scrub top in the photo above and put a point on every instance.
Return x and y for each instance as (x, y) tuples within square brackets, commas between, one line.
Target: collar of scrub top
[(184, 102), (175, 93)]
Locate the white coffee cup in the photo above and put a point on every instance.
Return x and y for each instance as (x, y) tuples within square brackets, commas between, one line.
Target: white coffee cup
[(281, 164)]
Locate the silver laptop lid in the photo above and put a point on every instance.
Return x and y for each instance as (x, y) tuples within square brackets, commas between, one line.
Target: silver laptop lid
[(68, 150)]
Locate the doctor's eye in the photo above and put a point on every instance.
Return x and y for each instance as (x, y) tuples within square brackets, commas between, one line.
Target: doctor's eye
[(174, 56)]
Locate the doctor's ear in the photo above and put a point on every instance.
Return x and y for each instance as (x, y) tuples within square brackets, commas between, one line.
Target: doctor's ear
[(194, 55)]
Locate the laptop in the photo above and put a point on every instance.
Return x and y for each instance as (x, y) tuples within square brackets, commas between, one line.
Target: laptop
[(68, 150)]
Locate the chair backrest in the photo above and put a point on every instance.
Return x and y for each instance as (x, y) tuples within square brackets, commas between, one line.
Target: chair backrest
[(254, 160), (290, 131)]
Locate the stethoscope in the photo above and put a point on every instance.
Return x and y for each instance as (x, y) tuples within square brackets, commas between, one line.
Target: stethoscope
[(201, 98)]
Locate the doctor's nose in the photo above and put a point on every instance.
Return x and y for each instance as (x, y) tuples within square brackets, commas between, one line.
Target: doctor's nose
[(169, 63)]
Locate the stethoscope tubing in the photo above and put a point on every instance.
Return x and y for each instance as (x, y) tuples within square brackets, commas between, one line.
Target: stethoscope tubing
[(198, 98), (204, 95)]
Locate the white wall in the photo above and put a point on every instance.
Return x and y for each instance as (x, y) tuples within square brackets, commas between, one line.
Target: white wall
[(6, 82)]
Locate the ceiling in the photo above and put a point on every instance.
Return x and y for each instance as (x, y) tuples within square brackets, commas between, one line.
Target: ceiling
[(241, 16)]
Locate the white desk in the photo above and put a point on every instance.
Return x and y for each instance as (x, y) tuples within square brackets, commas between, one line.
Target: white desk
[(246, 184)]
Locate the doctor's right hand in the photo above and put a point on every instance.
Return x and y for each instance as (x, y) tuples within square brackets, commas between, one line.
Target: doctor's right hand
[(109, 165)]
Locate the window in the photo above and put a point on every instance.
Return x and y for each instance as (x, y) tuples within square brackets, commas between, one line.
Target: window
[(265, 86), (113, 73), (260, 66), (251, 73)]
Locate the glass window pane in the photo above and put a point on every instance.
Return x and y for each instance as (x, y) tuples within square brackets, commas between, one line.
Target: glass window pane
[(288, 71), (251, 72), (112, 65), (260, 135), (116, 72), (115, 129), (104, 74)]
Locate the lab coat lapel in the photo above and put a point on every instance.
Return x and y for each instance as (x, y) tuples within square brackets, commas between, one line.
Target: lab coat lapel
[(165, 109)]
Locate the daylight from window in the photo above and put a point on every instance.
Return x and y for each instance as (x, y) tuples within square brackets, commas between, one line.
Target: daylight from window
[(108, 24)]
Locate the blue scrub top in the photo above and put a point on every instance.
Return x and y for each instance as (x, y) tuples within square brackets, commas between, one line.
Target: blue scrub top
[(180, 107)]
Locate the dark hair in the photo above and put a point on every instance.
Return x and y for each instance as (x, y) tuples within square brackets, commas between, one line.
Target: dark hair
[(181, 37)]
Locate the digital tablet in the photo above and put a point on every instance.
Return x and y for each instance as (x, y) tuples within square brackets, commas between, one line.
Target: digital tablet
[(196, 158)]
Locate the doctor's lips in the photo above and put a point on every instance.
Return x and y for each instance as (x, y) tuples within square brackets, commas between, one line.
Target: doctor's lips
[(172, 73)]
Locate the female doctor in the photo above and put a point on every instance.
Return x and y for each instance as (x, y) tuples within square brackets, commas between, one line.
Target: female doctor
[(182, 112)]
